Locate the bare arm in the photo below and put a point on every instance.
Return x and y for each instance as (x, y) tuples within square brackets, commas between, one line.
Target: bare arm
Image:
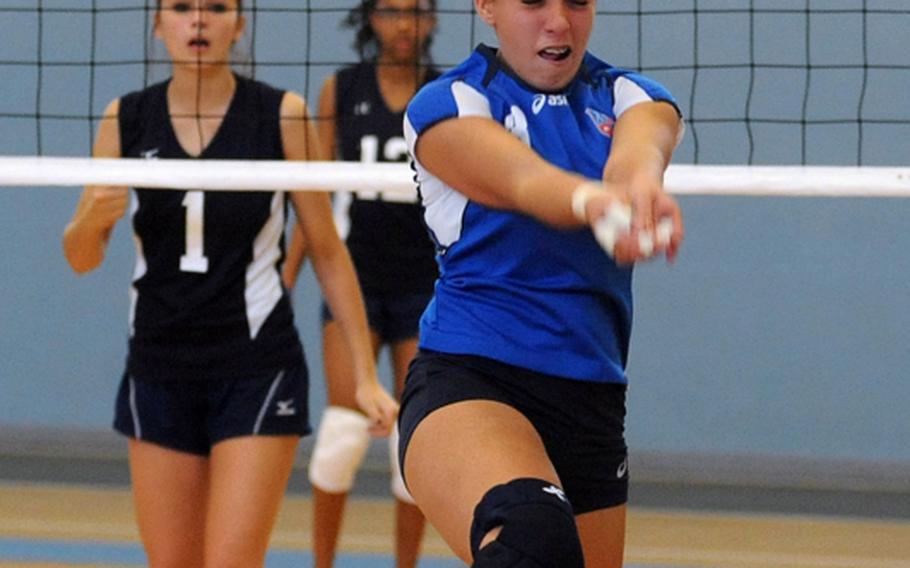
[(86, 236), (643, 142), (492, 167), (334, 268), (325, 123)]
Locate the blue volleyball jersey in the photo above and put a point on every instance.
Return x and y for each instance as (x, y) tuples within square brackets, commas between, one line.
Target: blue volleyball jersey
[(512, 288)]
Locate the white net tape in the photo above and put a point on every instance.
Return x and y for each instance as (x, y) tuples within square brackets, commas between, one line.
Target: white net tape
[(236, 175)]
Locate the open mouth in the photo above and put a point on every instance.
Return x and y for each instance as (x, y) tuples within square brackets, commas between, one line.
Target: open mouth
[(198, 42), (555, 53)]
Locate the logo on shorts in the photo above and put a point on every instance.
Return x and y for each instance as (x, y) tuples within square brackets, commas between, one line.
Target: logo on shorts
[(553, 490), (150, 154), (286, 407), (622, 469)]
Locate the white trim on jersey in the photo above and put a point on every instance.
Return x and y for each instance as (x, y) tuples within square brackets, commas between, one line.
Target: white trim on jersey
[(263, 283), (341, 211), (141, 266), (627, 94), (444, 206)]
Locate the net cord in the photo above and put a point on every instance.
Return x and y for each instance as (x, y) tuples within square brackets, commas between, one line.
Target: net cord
[(398, 178)]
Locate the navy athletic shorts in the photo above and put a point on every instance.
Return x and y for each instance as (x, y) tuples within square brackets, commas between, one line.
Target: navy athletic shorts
[(581, 423), (393, 316), (193, 416)]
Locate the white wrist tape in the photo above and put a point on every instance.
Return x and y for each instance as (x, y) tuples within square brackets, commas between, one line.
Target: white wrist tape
[(616, 221), (341, 445), (662, 232), (580, 197)]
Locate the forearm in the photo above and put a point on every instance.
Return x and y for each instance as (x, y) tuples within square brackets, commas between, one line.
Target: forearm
[(644, 140), (296, 255), (338, 281)]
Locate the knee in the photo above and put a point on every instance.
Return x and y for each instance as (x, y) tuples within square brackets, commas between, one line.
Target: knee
[(341, 444), (537, 527)]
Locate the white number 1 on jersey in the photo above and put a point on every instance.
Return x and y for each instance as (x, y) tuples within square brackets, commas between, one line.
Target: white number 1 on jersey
[(194, 260)]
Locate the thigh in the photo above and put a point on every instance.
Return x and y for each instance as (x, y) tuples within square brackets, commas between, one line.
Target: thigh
[(459, 452), (603, 535), (170, 494), (247, 480)]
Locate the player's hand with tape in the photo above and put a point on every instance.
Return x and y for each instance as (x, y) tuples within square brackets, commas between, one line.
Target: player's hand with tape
[(632, 223)]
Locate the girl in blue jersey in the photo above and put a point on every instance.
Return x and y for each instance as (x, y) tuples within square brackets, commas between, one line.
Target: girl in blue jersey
[(214, 397), (361, 108), (541, 171)]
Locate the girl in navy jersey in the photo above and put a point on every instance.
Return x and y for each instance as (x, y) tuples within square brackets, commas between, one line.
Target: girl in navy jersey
[(214, 396), (541, 171), (361, 108)]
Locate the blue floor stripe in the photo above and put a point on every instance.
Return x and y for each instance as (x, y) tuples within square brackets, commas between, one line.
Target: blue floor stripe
[(129, 554)]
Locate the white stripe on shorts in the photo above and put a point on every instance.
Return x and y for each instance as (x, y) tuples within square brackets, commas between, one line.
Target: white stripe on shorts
[(267, 402), (134, 410)]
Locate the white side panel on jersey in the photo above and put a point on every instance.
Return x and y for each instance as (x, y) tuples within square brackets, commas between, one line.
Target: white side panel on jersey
[(263, 283), (627, 94), (341, 210), (141, 266), (444, 206)]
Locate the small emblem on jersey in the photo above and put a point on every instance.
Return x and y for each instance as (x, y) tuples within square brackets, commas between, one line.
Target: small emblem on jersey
[(553, 490), (603, 122), (517, 123), (549, 100), (622, 469), (150, 154), (362, 108), (286, 407)]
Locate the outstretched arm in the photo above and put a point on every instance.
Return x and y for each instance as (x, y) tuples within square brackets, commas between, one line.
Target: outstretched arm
[(643, 142)]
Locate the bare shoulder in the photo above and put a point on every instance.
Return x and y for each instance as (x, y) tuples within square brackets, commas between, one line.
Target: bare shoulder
[(293, 105)]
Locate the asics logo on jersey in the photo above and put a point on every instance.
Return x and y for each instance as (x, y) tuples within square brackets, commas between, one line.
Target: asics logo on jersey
[(150, 154), (603, 122), (622, 469), (551, 100), (517, 123), (286, 407), (553, 490)]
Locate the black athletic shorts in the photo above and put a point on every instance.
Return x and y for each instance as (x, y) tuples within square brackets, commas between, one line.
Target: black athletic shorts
[(393, 316), (581, 423), (193, 416)]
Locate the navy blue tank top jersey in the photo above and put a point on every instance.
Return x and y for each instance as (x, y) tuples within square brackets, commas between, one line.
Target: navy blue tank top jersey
[(512, 288), (384, 232), (207, 300)]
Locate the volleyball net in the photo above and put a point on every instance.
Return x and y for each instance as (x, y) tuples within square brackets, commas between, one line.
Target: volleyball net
[(803, 97)]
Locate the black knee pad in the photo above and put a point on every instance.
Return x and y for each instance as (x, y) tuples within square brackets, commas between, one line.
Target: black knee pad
[(538, 527)]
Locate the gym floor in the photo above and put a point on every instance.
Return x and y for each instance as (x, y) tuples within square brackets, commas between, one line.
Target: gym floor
[(71, 513)]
